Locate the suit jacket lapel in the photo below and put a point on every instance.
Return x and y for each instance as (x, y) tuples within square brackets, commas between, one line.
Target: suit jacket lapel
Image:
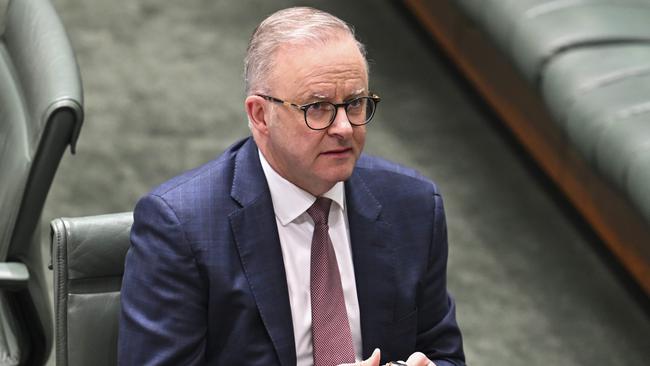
[(373, 263), (256, 236)]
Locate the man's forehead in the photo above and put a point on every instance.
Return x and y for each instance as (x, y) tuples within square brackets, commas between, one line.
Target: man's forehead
[(309, 73)]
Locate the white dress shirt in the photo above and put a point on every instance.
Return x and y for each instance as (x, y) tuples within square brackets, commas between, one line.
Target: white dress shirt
[(295, 228)]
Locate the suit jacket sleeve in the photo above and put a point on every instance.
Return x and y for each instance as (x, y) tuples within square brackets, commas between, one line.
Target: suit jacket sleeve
[(438, 334), (163, 294)]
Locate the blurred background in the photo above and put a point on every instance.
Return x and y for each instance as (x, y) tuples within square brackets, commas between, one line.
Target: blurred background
[(164, 93)]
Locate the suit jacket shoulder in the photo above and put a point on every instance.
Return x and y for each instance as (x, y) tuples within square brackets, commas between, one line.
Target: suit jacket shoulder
[(394, 185), (218, 166), (187, 193)]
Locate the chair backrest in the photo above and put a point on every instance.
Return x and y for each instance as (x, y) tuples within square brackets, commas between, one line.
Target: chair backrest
[(40, 114), (88, 257)]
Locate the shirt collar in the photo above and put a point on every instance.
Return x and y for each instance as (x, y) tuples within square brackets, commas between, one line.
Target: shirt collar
[(291, 201)]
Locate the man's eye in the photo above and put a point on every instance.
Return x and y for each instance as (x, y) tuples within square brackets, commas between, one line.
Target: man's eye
[(356, 103), (319, 106)]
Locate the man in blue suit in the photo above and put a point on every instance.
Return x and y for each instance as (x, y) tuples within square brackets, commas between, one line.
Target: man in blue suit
[(293, 248)]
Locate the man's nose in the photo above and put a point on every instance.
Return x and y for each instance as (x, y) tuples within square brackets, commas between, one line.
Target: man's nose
[(341, 124)]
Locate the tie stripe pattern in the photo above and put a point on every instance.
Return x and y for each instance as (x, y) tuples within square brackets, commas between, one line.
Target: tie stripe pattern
[(330, 329)]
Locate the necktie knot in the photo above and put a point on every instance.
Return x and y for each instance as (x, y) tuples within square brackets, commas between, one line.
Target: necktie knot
[(320, 210)]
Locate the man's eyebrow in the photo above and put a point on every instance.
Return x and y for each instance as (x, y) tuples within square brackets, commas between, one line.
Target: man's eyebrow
[(359, 91), (319, 96), (356, 93), (308, 97)]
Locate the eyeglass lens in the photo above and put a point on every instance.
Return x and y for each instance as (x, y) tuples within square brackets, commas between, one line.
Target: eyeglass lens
[(359, 111)]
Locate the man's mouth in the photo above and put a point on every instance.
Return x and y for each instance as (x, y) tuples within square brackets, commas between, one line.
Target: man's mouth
[(338, 152)]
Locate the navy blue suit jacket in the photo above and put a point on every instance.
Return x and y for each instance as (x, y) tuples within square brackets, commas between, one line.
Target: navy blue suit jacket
[(205, 284)]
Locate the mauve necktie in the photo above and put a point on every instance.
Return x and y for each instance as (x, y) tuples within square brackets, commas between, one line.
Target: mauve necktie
[(330, 329)]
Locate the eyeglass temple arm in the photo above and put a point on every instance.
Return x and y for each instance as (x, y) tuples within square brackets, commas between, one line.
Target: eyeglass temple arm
[(276, 100)]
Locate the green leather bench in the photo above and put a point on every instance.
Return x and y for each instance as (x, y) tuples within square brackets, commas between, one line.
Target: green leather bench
[(533, 32), (572, 79), (600, 96), (591, 61)]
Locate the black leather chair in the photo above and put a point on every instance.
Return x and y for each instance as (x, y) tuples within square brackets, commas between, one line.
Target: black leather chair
[(40, 115), (88, 255)]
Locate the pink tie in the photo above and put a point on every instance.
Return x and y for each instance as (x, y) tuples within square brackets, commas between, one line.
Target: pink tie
[(330, 328)]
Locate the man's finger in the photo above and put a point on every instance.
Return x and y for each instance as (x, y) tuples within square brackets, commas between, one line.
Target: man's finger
[(373, 360), (419, 359)]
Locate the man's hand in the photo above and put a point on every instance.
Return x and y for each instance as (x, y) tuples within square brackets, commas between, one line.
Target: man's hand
[(419, 359), (416, 359), (373, 360)]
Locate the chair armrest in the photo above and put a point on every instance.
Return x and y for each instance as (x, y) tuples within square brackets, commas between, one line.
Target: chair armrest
[(13, 276)]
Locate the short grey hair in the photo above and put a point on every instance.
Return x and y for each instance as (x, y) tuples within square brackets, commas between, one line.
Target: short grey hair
[(297, 26)]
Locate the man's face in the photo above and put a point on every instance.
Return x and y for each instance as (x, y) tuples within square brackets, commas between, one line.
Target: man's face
[(334, 72)]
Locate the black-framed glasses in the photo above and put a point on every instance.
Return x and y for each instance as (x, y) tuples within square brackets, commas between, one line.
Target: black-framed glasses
[(320, 115)]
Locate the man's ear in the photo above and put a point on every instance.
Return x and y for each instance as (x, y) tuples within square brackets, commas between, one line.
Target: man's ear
[(255, 109)]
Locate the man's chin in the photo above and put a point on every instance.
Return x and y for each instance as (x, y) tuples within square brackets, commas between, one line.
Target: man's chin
[(339, 175)]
